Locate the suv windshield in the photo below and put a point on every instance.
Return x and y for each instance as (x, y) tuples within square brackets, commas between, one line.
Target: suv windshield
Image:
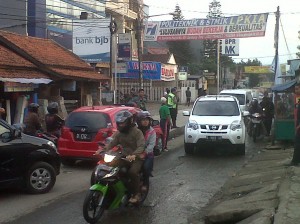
[(240, 97), (216, 108), (92, 120)]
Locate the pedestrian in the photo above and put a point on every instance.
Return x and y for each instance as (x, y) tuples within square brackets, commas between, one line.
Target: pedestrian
[(172, 104), (296, 155), (139, 100), (165, 121), (268, 110), (188, 95)]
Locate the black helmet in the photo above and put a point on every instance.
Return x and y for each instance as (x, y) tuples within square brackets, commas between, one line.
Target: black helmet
[(141, 116), (254, 102), (124, 121), (52, 108), (33, 107)]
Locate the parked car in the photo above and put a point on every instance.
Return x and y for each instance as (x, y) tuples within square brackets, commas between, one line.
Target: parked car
[(244, 97), (27, 162), (87, 126), (215, 120)]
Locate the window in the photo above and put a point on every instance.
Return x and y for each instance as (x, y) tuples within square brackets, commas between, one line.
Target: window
[(216, 108), (92, 120), (240, 97)]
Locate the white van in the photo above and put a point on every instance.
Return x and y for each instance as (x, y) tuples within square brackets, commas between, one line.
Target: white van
[(244, 97)]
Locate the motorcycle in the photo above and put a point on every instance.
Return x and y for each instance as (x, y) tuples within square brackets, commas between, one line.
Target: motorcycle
[(256, 125), (108, 190)]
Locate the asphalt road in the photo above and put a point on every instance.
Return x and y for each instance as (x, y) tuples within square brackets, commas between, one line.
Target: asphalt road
[(182, 185)]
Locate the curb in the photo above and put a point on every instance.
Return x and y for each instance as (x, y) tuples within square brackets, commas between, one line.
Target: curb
[(176, 132)]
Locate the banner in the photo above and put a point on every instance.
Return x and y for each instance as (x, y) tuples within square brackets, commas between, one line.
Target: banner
[(91, 40), (151, 70), (262, 69), (124, 46), (242, 26), (168, 72)]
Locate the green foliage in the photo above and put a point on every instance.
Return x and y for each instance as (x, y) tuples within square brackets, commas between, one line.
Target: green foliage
[(298, 47), (253, 78)]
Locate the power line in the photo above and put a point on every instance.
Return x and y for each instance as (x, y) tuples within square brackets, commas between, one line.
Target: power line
[(285, 38)]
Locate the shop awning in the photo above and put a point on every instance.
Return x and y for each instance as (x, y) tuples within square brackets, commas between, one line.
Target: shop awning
[(24, 80), (284, 87)]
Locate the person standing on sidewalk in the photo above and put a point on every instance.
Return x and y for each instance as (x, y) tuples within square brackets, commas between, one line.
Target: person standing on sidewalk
[(140, 100), (172, 104), (268, 109), (188, 95), (165, 118)]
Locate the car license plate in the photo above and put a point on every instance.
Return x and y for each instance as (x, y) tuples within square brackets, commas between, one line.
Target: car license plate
[(82, 137), (213, 138)]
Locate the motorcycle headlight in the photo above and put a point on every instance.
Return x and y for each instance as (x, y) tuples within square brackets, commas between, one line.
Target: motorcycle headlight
[(235, 125), (193, 125), (108, 158)]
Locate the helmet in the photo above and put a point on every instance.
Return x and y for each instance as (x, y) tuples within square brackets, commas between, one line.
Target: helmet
[(124, 121), (33, 107), (141, 116), (52, 108), (254, 102)]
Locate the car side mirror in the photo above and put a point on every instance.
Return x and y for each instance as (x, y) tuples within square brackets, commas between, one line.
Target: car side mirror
[(186, 113), (155, 122), (245, 113)]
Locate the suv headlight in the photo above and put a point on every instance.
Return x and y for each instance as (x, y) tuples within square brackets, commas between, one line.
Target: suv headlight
[(235, 125), (52, 145), (193, 125)]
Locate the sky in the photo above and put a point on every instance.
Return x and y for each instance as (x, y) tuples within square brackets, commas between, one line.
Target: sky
[(261, 48)]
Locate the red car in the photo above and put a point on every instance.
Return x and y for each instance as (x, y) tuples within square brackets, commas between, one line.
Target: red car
[(86, 126)]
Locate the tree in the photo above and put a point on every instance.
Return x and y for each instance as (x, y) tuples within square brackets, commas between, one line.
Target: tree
[(253, 78), (181, 49)]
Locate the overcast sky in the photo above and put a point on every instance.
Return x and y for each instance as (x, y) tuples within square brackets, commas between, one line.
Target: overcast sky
[(254, 47)]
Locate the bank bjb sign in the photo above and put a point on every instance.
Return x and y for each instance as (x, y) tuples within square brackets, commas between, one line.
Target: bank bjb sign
[(230, 47), (91, 40)]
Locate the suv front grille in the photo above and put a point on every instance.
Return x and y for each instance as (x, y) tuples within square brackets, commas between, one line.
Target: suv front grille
[(213, 127)]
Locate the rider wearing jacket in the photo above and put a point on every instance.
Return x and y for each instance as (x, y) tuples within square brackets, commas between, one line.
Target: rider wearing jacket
[(32, 121), (53, 121), (133, 146), (144, 124)]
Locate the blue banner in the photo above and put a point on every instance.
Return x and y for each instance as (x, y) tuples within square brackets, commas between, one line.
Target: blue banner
[(151, 70)]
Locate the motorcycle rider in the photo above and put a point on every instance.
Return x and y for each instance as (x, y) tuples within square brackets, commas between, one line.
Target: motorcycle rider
[(268, 111), (254, 108), (53, 121), (133, 147), (32, 121), (144, 124)]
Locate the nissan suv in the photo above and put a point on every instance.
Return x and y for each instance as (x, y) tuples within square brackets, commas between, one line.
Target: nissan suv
[(215, 120)]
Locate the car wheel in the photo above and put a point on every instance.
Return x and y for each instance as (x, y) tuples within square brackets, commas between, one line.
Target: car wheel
[(241, 149), (189, 148), (40, 178), (159, 146), (68, 162)]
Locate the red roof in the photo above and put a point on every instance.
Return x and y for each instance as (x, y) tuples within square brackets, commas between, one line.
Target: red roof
[(56, 59), (14, 66)]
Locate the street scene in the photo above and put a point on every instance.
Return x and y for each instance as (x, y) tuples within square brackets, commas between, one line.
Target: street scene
[(148, 111)]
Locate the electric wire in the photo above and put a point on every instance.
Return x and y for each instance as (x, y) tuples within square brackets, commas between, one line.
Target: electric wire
[(286, 44)]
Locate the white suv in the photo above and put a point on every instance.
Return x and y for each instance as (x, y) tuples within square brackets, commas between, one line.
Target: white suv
[(215, 119)]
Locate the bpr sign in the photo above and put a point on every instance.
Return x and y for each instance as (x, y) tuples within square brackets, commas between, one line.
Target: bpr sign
[(230, 47)]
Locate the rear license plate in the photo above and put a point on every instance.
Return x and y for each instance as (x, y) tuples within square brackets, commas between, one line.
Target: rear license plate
[(83, 137), (213, 138)]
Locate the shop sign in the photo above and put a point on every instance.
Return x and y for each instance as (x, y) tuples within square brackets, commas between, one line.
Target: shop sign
[(168, 72), (18, 87)]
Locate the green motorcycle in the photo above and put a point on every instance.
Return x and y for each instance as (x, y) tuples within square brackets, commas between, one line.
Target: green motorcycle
[(108, 190)]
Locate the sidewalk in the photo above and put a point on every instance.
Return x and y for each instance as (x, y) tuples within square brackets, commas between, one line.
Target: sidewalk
[(153, 108), (264, 191)]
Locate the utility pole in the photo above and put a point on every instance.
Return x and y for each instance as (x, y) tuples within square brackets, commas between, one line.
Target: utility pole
[(276, 39), (140, 41)]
